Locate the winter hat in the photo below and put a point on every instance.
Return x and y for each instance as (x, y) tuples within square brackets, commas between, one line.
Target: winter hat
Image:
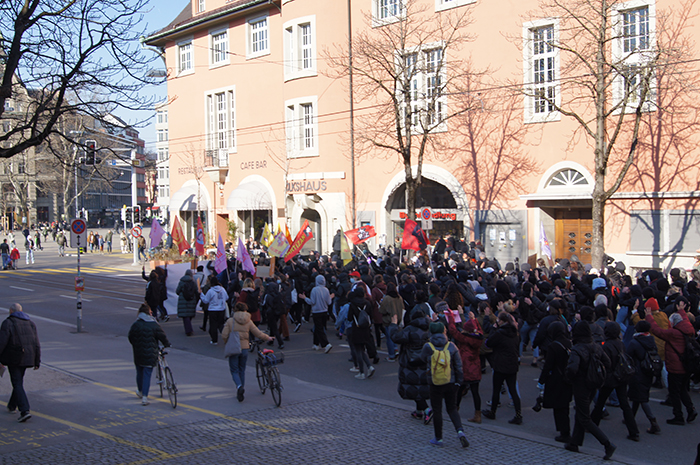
[(510, 266), (488, 269), (582, 332), (599, 283), (651, 304), (619, 266), (437, 328), (587, 267), (642, 326), (441, 307)]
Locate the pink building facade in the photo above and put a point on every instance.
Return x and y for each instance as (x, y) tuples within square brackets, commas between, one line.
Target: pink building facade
[(261, 130)]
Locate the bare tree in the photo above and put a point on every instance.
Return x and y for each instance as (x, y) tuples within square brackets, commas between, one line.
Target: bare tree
[(408, 69), (667, 157), (608, 84), (75, 56)]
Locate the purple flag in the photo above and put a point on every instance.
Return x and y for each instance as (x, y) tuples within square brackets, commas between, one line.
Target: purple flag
[(243, 256), (156, 234), (544, 243), (220, 261)]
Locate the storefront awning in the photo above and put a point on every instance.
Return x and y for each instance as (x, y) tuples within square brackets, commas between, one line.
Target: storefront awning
[(251, 195), (186, 200)]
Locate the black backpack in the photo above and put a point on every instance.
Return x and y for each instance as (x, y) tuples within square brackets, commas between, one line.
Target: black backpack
[(624, 370), (189, 290), (596, 373), (651, 364), (362, 320)]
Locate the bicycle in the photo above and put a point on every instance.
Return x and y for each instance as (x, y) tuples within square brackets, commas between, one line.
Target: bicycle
[(266, 371), (164, 377)]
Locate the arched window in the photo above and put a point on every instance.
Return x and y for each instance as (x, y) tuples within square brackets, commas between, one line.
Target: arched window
[(567, 178)]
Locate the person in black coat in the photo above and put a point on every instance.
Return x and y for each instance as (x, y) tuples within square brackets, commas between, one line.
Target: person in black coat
[(505, 362), (413, 374), (144, 336), (19, 350), (557, 390), (542, 339), (614, 349), (642, 343), (361, 337), (580, 359)]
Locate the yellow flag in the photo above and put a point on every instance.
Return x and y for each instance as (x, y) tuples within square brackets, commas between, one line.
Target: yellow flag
[(345, 253), (267, 237)]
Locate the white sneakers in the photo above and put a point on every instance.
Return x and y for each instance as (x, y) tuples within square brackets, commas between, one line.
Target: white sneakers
[(315, 347), (144, 400), (327, 348)]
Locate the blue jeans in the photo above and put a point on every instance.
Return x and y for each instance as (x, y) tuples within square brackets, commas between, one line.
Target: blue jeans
[(18, 399), (237, 364), (390, 345), (527, 334), (143, 379)]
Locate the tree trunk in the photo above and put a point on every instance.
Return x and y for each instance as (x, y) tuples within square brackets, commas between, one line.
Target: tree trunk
[(598, 242)]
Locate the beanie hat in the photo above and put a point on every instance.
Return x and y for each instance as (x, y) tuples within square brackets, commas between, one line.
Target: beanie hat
[(651, 304), (441, 307), (437, 328), (599, 283), (642, 326)]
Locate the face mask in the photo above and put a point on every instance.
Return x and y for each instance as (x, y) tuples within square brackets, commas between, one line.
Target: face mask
[(352, 280), (279, 282)]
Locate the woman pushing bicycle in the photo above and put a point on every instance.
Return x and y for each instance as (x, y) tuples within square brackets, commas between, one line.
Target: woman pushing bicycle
[(242, 324), (144, 336)]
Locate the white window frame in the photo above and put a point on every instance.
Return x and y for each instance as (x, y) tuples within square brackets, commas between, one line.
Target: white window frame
[(190, 69), (295, 64), (420, 76), (531, 116), (214, 52), (633, 58), (380, 9), (162, 134), (201, 6), (213, 122), (250, 31), (441, 5), (301, 128)]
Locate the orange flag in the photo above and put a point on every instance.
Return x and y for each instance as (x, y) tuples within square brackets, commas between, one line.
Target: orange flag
[(286, 233), (179, 237)]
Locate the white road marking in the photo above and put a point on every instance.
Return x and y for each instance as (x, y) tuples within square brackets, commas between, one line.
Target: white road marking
[(22, 288), (41, 318), (131, 308), (74, 297)]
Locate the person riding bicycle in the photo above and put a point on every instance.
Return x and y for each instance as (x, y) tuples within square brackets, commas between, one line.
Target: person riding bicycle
[(144, 336)]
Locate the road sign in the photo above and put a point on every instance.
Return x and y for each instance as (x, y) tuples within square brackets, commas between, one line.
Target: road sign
[(136, 231), (78, 233), (426, 219)]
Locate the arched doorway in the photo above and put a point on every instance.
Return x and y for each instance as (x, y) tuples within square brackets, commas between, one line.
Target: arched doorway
[(314, 219)]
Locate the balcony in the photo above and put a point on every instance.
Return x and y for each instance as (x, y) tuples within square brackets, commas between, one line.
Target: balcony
[(216, 164)]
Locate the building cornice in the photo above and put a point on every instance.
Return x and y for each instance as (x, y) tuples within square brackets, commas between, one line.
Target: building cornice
[(159, 38)]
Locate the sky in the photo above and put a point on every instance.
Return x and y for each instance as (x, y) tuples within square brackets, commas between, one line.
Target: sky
[(161, 13)]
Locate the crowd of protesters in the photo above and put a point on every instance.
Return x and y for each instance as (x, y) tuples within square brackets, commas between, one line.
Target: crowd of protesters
[(599, 337)]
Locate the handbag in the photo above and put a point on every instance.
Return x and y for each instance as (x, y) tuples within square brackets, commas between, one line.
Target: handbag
[(233, 345)]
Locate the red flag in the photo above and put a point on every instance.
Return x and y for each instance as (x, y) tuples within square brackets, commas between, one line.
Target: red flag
[(179, 237), (361, 234), (302, 238), (413, 236), (199, 239)]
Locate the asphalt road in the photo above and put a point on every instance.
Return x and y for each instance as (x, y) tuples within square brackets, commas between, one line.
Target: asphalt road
[(90, 375)]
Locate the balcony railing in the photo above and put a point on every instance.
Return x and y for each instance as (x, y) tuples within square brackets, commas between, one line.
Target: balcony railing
[(217, 158)]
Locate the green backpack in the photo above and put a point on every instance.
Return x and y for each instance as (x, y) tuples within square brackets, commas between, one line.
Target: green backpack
[(441, 365)]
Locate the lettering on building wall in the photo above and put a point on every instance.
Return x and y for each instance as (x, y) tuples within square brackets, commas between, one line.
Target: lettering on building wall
[(435, 216), (189, 170), (254, 165), (307, 186)]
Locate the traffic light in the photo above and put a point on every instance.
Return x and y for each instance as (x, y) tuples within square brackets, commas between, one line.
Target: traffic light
[(124, 209), (137, 214), (90, 152)]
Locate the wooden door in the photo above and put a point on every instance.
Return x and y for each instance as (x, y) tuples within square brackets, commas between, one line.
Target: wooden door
[(574, 236)]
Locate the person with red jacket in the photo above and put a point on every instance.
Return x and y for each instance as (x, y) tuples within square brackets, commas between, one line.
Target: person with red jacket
[(469, 342), (678, 379)]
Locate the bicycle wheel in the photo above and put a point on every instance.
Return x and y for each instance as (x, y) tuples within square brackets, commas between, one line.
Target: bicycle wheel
[(159, 377), (260, 374), (170, 386), (275, 385)]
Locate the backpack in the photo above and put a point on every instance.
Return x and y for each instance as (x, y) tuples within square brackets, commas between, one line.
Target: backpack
[(624, 369), (275, 304), (189, 290), (596, 374), (362, 321), (441, 365), (651, 364)]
